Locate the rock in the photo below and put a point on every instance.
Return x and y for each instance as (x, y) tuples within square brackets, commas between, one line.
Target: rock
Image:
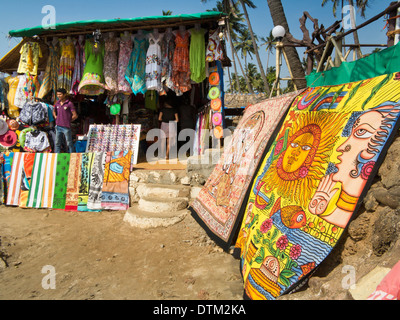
[(185, 181), (390, 168), (370, 202), (387, 197), (195, 192), (385, 231), (367, 284), (358, 228), (163, 205)]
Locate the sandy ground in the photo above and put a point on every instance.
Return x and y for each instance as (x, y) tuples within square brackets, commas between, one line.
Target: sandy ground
[(98, 256)]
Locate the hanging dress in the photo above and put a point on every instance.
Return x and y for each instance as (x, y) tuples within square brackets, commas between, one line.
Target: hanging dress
[(67, 64), (181, 64), (153, 63), (167, 52), (13, 110), (214, 48), (78, 68), (49, 84), (136, 71), (197, 55), (92, 83), (29, 60), (111, 64), (125, 51)]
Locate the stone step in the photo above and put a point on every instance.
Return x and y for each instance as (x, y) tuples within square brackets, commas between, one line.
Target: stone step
[(146, 220), (157, 205), (161, 191)]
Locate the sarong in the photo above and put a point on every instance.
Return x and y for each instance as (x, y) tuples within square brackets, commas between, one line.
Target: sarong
[(14, 189), (218, 205), (313, 179), (96, 181), (61, 180), (87, 164), (74, 178), (115, 191)]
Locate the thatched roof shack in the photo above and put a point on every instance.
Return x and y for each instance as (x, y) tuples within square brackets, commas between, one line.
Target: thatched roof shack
[(42, 34)]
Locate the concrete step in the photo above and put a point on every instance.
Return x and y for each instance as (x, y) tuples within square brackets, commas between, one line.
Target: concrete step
[(146, 220), (158, 205), (162, 191)]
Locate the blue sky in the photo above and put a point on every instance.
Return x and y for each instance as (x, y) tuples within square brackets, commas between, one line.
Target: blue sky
[(27, 13)]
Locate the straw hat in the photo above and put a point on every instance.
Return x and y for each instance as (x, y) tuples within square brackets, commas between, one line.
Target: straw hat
[(3, 127), (13, 124), (9, 139)]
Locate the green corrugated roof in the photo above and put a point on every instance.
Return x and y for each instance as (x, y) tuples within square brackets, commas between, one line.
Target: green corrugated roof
[(88, 25)]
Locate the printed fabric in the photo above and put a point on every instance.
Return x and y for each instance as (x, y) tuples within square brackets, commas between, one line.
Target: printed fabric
[(167, 52), (136, 70), (125, 51), (13, 110), (153, 64), (29, 60), (50, 79), (312, 180), (74, 178), (67, 64), (214, 48), (218, 205), (111, 64), (79, 66), (96, 181), (181, 63), (87, 164), (61, 180)]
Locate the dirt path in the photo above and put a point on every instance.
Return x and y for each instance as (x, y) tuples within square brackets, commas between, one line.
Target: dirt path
[(98, 256)]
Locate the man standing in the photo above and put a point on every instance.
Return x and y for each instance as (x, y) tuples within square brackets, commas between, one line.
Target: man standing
[(64, 113)]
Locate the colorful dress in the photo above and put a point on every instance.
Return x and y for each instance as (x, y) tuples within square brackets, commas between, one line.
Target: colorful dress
[(181, 64), (153, 64), (49, 84), (13, 110), (92, 83), (136, 71), (214, 48), (78, 68), (111, 64), (167, 52), (29, 60), (67, 63), (125, 51), (197, 55)]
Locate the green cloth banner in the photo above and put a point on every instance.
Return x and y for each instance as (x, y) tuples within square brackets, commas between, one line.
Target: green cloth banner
[(383, 62)]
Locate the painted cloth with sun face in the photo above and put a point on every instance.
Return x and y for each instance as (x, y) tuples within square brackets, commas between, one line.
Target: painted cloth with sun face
[(218, 205), (312, 180)]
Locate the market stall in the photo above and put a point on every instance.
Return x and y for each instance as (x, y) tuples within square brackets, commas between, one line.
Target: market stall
[(118, 74)]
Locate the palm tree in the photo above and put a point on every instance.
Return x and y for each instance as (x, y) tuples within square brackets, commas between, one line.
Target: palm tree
[(279, 18), (253, 38), (167, 13), (269, 42), (361, 6), (245, 45)]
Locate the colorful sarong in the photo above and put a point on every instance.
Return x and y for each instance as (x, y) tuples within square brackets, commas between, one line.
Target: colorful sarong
[(74, 178), (43, 181), (312, 180), (87, 164), (96, 181), (14, 189), (217, 207), (115, 191), (61, 180)]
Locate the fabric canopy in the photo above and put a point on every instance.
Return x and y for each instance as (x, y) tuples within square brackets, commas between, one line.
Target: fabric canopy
[(386, 61), (88, 26)]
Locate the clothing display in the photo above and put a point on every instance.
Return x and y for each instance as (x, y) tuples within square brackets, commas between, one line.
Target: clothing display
[(61, 180), (74, 179), (96, 181), (181, 63), (214, 47), (86, 169), (92, 82), (125, 51), (197, 55), (29, 60), (26, 179), (167, 52), (37, 142), (67, 64), (14, 188), (13, 110), (50, 79), (111, 64), (136, 70), (79, 66), (153, 63)]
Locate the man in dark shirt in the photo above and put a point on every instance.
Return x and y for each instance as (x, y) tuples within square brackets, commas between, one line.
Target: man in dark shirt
[(169, 123), (64, 113)]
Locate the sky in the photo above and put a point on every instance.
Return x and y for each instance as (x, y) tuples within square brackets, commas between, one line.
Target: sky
[(27, 13)]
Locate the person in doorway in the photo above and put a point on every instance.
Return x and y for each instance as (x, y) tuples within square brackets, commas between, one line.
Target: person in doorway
[(64, 113), (187, 121), (169, 119)]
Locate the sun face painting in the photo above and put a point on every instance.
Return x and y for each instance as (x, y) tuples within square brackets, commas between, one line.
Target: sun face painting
[(312, 180)]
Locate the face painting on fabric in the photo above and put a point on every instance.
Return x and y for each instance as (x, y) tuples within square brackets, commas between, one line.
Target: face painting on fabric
[(312, 180), (217, 207)]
